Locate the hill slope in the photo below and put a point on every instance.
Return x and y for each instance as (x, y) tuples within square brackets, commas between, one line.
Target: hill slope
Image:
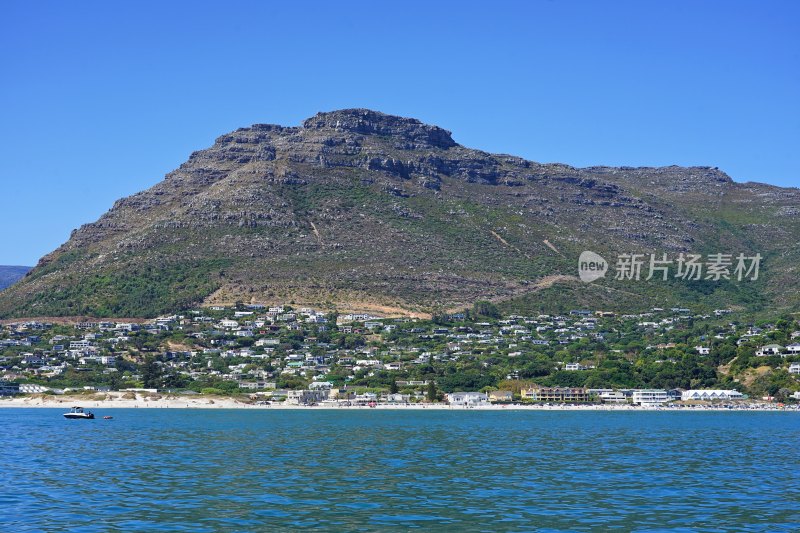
[(366, 210)]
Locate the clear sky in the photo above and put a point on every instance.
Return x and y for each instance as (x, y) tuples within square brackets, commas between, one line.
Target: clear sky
[(101, 99)]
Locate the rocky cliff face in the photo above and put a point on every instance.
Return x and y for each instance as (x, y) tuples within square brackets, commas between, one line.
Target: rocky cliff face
[(364, 210)]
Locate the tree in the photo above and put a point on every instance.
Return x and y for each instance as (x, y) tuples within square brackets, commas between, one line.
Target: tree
[(393, 389), (151, 373), (485, 308), (431, 395), (114, 381)]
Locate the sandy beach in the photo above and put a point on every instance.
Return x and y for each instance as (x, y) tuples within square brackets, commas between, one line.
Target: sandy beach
[(118, 400)]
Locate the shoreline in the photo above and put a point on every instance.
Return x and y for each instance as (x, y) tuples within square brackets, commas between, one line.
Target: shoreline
[(143, 402)]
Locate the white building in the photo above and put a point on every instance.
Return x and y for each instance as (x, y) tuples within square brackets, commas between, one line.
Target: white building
[(79, 345), (255, 385), (650, 397), (612, 396), (703, 350), (398, 398), (32, 388), (301, 397), (711, 395), (794, 368), (470, 399), (769, 349)]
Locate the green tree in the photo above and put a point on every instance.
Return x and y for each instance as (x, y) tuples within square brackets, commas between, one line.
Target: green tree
[(486, 309), (431, 394), (151, 373)]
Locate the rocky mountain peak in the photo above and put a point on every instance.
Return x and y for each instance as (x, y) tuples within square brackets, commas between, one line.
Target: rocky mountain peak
[(368, 122), (356, 209)]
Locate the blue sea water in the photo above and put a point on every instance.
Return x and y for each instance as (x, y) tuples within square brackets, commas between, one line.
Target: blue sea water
[(246, 470)]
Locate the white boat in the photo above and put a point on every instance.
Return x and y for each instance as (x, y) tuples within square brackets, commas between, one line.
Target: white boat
[(79, 413)]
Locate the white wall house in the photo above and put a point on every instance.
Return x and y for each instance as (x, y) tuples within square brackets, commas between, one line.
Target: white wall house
[(711, 395), (301, 397), (769, 349), (32, 388), (650, 396), (613, 396), (469, 399)]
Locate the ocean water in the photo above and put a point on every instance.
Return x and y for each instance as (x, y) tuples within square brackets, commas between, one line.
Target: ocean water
[(372, 470)]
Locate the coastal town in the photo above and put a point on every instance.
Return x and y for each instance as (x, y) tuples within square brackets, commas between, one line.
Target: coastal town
[(282, 355)]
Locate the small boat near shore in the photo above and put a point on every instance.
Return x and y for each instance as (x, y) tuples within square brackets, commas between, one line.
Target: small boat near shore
[(78, 413)]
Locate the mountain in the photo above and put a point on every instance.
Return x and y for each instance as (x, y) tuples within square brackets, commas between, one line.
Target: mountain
[(360, 210), (11, 274)]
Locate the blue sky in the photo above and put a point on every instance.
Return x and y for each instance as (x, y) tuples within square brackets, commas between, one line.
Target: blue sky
[(101, 99)]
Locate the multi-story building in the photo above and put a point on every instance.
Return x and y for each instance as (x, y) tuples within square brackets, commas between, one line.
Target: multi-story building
[(8, 388), (467, 398), (555, 394), (650, 396)]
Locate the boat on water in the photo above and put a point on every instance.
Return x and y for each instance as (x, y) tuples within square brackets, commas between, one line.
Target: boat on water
[(79, 413)]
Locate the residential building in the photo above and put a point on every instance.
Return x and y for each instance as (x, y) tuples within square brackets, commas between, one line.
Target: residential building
[(575, 366), (650, 397), (8, 388), (769, 349), (303, 397), (31, 388), (256, 385), (610, 396), (79, 345), (398, 398), (469, 399), (556, 394), (501, 396), (711, 395)]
